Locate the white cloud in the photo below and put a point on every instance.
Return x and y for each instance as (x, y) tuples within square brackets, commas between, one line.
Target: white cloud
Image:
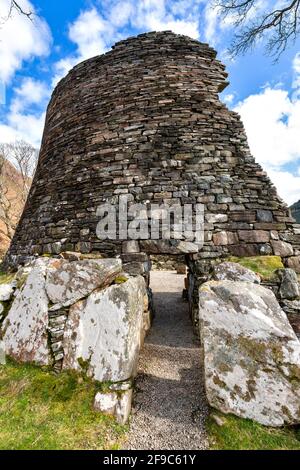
[(296, 82), (30, 92), (211, 24), (229, 98), (19, 126), (22, 121), (288, 185), (21, 39), (94, 32), (157, 15), (272, 122)]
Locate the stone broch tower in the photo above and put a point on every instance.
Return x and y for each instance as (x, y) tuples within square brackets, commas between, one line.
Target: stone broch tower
[(145, 120)]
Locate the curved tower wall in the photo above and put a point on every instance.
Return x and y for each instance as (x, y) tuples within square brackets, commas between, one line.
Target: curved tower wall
[(145, 120)]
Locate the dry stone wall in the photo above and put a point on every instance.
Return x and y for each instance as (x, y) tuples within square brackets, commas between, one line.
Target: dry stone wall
[(145, 121)]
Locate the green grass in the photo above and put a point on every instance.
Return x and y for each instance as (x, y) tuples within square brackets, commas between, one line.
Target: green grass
[(244, 434), (6, 277), (263, 265), (40, 410)]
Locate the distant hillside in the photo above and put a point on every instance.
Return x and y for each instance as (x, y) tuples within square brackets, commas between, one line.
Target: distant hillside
[(295, 209), (11, 203)]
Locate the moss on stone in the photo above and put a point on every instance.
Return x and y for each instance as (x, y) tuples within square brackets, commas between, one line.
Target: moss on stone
[(265, 266), (120, 279)]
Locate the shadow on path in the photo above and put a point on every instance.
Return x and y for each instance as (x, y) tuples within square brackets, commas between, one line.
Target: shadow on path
[(170, 407)]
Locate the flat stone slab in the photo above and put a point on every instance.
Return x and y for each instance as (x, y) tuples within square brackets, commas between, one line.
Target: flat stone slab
[(25, 327), (234, 272), (67, 282), (103, 333), (251, 354)]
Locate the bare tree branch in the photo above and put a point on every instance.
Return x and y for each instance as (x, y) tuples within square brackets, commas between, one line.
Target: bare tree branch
[(15, 6), (278, 26), (13, 194)]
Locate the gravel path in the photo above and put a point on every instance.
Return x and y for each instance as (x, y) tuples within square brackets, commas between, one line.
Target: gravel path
[(169, 407)]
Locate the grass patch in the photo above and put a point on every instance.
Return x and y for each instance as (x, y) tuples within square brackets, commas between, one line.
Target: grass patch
[(40, 410), (263, 265), (6, 277), (244, 434)]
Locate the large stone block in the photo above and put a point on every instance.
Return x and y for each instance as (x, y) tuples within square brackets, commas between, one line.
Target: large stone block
[(281, 248), (67, 282), (25, 327), (254, 236), (289, 285), (251, 354), (294, 263), (103, 333), (225, 238)]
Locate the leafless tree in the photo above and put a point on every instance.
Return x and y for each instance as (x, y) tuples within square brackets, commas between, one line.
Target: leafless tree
[(24, 157), (277, 24), (15, 6), (13, 194)]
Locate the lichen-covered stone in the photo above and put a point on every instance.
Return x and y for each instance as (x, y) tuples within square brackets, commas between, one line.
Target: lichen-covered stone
[(2, 353), (103, 333), (281, 248), (289, 285), (234, 272), (6, 291), (25, 327), (68, 282), (294, 263), (251, 354), (114, 404)]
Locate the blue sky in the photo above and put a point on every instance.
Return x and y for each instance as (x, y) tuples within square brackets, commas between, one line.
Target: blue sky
[(35, 55)]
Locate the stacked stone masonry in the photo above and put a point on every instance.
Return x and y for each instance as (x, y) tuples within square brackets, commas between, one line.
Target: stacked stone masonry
[(145, 121)]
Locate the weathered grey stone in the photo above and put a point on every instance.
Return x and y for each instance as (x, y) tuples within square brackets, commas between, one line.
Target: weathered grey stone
[(25, 326), (130, 246), (71, 255), (281, 248), (294, 263), (225, 238), (254, 236), (216, 218), (118, 405), (6, 291), (251, 354), (68, 282), (170, 246), (264, 215), (234, 272), (291, 306), (289, 286), (103, 333), (2, 353)]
